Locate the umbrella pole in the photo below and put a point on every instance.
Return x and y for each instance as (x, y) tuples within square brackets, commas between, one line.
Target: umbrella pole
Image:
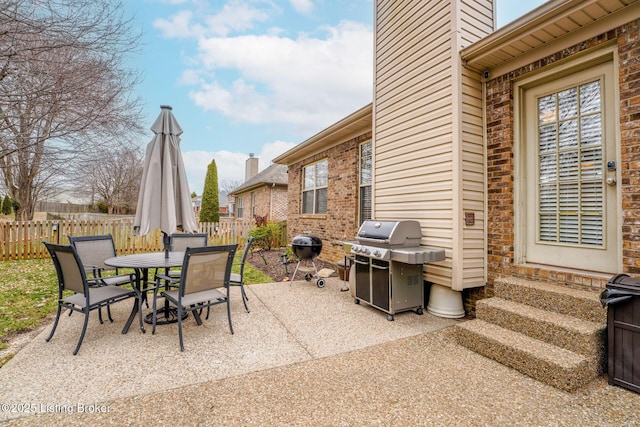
[(167, 244)]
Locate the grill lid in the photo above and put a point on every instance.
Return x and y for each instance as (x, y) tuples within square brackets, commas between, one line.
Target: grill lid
[(390, 233), (306, 240)]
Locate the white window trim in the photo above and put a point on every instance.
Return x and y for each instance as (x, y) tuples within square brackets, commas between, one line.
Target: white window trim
[(360, 185), (314, 189)]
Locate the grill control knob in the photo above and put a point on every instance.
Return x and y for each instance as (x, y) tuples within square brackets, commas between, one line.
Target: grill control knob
[(366, 251), (377, 253)]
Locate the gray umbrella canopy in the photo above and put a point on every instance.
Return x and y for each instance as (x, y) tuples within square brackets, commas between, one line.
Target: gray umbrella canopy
[(164, 201)]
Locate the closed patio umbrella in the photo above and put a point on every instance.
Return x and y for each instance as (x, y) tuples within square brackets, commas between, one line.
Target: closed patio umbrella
[(164, 201)]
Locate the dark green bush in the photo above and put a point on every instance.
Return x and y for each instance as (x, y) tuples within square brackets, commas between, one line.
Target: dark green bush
[(268, 236)]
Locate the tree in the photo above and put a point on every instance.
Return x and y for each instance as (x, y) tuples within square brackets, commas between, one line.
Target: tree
[(114, 178), (6, 205), (210, 208), (228, 185), (64, 89)]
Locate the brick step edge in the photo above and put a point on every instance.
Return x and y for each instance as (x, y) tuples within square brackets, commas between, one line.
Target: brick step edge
[(554, 298), (552, 365), (568, 332)]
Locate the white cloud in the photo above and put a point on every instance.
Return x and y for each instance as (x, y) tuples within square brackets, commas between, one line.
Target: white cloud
[(230, 165), (302, 6), (235, 16), (305, 82), (179, 26)]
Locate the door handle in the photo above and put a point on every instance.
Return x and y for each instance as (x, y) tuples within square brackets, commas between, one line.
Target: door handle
[(611, 181)]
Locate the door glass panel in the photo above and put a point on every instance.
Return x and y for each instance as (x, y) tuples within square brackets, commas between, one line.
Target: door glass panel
[(548, 169), (570, 161), (591, 129), (568, 103), (568, 134), (569, 166), (591, 163), (547, 109), (547, 138), (590, 97)]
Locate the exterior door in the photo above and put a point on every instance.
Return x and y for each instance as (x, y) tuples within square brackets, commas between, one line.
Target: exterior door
[(571, 197)]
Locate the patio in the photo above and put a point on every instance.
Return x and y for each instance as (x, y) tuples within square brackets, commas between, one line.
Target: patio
[(304, 355)]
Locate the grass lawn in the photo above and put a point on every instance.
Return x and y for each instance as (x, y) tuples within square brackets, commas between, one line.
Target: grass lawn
[(28, 294)]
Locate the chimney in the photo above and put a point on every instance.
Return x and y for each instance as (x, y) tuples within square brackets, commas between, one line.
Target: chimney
[(251, 167)]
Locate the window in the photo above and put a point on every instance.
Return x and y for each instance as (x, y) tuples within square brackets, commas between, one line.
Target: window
[(570, 184), (239, 206), (314, 188), (365, 181)]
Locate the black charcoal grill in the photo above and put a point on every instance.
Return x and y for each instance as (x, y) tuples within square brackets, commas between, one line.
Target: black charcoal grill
[(306, 248), (389, 262)]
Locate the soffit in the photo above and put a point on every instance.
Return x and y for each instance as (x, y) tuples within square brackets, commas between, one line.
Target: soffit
[(555, 25)]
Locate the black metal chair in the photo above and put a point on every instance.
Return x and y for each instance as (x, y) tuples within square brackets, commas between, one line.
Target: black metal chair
[(181, 241), (93, 251), (72, 277), (204, 282), (237, 279)]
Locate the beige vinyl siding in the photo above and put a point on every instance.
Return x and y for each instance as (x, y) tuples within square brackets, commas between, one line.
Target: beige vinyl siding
[(473, 181), (428, 133), (413, 122), (477, 20)]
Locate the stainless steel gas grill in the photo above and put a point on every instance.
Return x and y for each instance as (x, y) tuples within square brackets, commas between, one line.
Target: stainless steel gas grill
[(388, 265)]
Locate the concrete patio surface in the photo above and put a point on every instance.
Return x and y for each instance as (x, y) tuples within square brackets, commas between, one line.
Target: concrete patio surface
[(303, 356)]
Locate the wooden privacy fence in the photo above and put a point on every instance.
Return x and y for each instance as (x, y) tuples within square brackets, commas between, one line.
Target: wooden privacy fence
[(23, 239)]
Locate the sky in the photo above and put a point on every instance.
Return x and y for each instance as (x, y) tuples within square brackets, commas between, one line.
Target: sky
[(256, 76)]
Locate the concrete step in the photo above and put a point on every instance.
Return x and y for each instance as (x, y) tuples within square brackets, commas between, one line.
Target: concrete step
[(544, 362), (559, 299), (568, 332)]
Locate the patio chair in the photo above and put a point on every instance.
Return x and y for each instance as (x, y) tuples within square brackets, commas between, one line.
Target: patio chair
[(72, 277), (93, 251), (181, 241), (237, 279), (204, 282)]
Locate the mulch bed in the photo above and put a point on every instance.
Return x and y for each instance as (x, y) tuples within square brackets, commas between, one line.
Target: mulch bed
[(276, 270)]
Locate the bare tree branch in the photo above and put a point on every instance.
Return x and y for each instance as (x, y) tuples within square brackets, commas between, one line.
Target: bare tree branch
[(64, 88)]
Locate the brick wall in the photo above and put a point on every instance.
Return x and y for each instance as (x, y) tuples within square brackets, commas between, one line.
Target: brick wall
[(500, 163), (262, 201), (270, 201), (629, 76), (341, 221), (279, 202)]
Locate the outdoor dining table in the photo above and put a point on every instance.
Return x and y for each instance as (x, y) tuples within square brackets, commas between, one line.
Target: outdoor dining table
[(142, 263)]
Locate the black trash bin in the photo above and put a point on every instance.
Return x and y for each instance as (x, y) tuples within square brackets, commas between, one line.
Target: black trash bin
[(622, 299)]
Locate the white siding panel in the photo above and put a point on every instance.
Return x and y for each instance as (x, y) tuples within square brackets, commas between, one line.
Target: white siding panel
[(473, 181), (426, 146), (439, 124), (429, 72), (410, 25), (477, 20)]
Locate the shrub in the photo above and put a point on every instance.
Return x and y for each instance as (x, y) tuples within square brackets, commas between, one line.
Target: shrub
[(6, 205), (267, 236)]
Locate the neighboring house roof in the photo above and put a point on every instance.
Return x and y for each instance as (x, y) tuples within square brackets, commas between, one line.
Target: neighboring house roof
[(273, 175), (555, 25), (353, 125)]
